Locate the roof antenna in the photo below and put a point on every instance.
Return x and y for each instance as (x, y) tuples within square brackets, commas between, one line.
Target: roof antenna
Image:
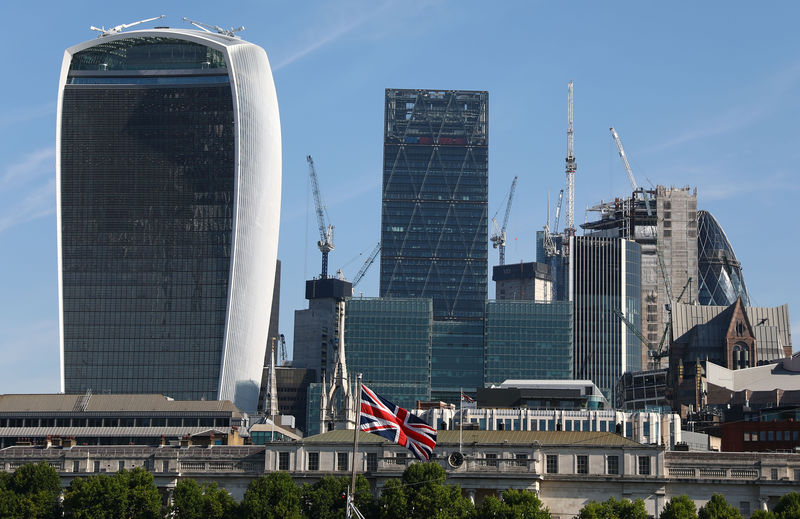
[(216, 28), (119, 28)]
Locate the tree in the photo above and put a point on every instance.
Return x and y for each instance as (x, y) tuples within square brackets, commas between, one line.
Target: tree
[(788, 506), (131, 494), (515, 504), (31, 492), (679, 507), (421, 493), (274, 496), (614, 509), (325, 499), (192, 501), (763, 514), (718, 508)]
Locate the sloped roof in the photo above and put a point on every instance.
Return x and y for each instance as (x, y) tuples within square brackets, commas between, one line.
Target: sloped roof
[(545, 438), (59, 403)]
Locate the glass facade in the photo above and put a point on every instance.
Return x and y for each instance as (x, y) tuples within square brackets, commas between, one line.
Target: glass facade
[(147, 193), (605, 277), (457, 359), (721, 280), (434, 222), (527, 340), (388, 341), (435, 191)]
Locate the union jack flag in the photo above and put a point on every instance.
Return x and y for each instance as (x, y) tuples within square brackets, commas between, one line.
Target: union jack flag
[(381, 417)]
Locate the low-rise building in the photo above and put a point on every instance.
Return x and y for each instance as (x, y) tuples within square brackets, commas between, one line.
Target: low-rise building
[(104, 419)]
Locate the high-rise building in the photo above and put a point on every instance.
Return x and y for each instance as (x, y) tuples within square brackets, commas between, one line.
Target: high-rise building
[(604, 276), (721, 280), (388, 341), (169, 175), (434, 221), (665, 226), (523, 281), (527, 340)]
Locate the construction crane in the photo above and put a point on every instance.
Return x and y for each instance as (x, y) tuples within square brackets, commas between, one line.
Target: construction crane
[(284, 356), (558, 210), (628, 170), (325, 242), (569, 230), (367, 264), (632, 327), (216, 28), (499, 233)]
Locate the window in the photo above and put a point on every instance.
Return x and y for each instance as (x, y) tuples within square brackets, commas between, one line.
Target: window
[(372, 462), (400, 458), (491, 459), (797, 474), (552, 463), (76, 466), (341, 461), (582, 465), (612, 463), (644, 465), (313, 461), (773, 474), (521, 460), (744, 508), (283, 461)]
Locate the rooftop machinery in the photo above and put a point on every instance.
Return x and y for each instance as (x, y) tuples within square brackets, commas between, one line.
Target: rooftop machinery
[(499, 233), (325, 242)]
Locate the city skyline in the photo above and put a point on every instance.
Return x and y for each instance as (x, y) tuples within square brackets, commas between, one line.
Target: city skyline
[(700, 97)]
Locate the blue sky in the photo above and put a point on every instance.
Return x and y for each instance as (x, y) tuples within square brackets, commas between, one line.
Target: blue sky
[(702, 93)]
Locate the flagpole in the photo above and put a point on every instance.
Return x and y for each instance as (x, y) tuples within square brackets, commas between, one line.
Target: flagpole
[(357, 419), (460, 415)]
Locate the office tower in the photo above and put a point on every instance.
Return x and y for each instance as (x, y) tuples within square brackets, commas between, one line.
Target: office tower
[(721, 280), (434, 221), (528, 340), (665, 226), (605, 281), (389, 343), (169, 176)]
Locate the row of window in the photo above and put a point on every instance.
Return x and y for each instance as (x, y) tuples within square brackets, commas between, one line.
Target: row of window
[(115, 422), (772, 436), (491, 459)]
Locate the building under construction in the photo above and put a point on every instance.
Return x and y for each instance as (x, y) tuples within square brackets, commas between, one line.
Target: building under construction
[(663, 222)]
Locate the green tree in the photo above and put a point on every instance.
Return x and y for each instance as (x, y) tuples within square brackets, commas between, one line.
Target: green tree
[(718, 508), (763, 514), (274, 496), (788, 506), (31, 492), (515, 504), (679, 507), (96, 497), (130, 494), (614, 509), (324, 499), (192, 501), (143, 499), (424, 495)]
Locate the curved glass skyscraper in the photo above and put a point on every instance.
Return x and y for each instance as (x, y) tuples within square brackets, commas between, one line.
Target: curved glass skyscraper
[(721, 280), (169, 181)]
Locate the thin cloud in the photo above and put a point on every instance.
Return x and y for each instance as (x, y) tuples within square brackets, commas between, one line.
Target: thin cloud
[(38, 203), (32, 164), (742, 116), (9, 119), (331, 35)]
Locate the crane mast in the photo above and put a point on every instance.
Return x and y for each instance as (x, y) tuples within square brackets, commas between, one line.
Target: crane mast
[(499, 234), (325, 242), (569, 230)]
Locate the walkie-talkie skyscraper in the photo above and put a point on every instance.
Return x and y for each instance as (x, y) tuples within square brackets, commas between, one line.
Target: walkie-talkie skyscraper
[(169, 181)]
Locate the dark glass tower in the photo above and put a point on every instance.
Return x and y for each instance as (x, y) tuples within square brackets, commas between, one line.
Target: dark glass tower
[(434, 220), (167, 221)]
